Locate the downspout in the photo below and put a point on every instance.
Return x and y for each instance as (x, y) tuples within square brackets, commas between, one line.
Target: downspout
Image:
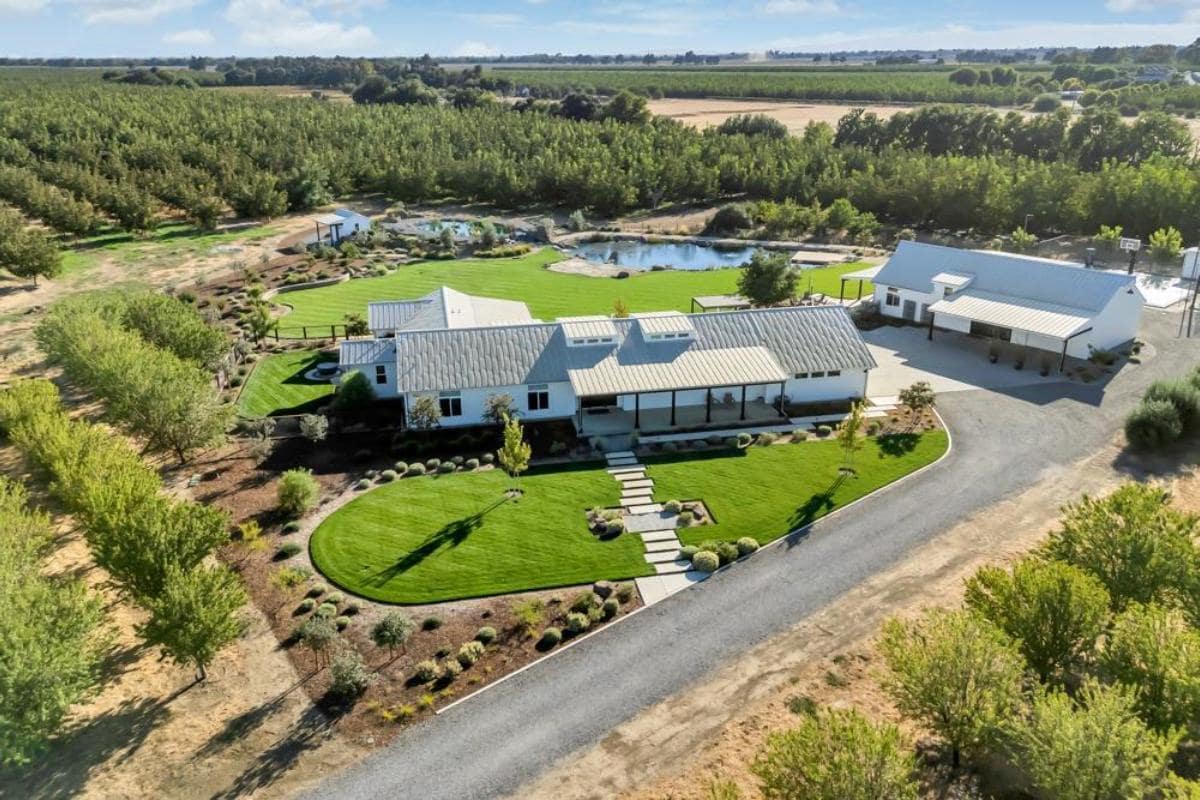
[(1062, 364)]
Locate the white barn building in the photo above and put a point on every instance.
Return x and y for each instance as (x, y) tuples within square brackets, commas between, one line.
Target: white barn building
[(648, 372), (339, 225), (1042, 303)]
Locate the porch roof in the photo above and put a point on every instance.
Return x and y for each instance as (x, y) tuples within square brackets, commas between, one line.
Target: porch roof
[(1024, 314), (689, 369)]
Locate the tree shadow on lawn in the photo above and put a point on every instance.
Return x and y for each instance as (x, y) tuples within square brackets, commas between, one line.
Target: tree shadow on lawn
[(817, 506), (452, 534), (897, 444)]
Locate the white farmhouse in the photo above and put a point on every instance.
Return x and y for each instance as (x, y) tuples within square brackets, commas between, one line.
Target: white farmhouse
[(1051, 305), (339, 225), (648, 372)]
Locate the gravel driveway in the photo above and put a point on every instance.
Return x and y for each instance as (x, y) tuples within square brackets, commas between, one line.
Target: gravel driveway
[(1003, 441)]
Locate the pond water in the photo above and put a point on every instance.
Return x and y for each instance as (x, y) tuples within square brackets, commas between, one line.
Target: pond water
[(676, 255)]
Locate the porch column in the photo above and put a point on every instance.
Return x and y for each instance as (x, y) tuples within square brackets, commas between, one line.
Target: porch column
[(743, 417), (672, 408), (1062, 363), (579, 412), (637, 410), (842, 290), (931, 326), (860, 288), (708, 405), (782, 404)]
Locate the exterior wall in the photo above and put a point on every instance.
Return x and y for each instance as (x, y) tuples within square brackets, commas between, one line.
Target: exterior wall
[(1116, 324), (562, 403), (696, 397), (385, 391), (851, 383), (920, 298)]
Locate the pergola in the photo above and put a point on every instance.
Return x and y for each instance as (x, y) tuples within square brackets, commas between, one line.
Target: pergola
[(334, 223), (861, 276)]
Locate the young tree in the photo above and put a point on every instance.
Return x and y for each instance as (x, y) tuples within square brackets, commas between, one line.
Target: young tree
[(318, 634), (847, 435), (446, 239), (298, 492), (314, 427), (955, 671), (259, 321), (354, 393), (1154, 649), (1132, 541), (1094, 749), (767, 279), (1053, 611), (837, 755), (424, 413), (348, 675), (356, 324), (1022, 241), (514, 455), (393, 631), (918, 398), (1165, 245), (498, 408), (30, 254), (196, 615)]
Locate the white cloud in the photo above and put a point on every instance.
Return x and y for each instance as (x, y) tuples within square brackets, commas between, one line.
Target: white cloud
[(951, 37), (1124, 6), (494, 20), (280, 26), (781, 7), (480, 49), (195, 37), (128, 12), (22, 6)]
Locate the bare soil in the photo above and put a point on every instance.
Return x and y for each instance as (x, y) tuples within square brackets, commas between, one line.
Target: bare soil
[(676, 749)]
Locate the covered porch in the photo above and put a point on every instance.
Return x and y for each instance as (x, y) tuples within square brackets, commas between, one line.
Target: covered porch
[(681, 409)]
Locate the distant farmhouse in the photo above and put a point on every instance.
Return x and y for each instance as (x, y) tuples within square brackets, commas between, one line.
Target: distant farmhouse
[(1050, 305), (648, 372)]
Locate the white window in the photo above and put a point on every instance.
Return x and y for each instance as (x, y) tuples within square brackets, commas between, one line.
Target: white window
[(947, 291), (380, 374), (539, 397), (450, 404), (893, 297)]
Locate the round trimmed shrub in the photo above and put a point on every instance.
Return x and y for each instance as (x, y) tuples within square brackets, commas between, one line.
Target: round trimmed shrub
[(706, 561), (287, 550), (401, 467), (446, 468), (387, 476), (727, 552), (684, 519), (486, 634), (610, 608), (327, 610), (625, 591), (688, 551), (469, 653), (433, 464), (341, 623), (744, 439), (317, 590), (449, 670), (731, 442), (363, 484), (335, 597), (674, 506), (457, 461), (471, 463), (372, 473), (1183, 395), (291, 526), (431, 623), (416, 469), (306, 605), (799, 435), (746, 545), (1153, 424), (425, 671), (550, 637), (487, 458), (577, 623), (824, 430)]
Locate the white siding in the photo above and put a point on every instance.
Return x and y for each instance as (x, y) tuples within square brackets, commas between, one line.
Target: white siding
[(1116, 324), (562, 403), (920, 298), (385, 391), (851, 383)]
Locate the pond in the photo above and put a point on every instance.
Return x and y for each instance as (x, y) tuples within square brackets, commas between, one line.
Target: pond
[(676, 255)]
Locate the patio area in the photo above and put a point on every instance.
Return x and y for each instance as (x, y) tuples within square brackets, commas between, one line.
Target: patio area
[(615, 421)]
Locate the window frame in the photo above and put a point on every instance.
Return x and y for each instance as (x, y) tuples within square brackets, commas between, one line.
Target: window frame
[(541, 392), (891, 297), (450, 404), (381, 377)]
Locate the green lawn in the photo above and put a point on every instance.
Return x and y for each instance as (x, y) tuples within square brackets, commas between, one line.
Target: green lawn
[(431, 539), (277, 385), (764, 492), (549, 294)]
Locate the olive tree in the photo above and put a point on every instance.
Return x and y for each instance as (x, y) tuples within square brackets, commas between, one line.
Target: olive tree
[(767, 279), (1154, 649), (196, 615), (393, 631)]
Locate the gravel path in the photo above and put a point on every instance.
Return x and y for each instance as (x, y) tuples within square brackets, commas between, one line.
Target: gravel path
[(1003, 442)]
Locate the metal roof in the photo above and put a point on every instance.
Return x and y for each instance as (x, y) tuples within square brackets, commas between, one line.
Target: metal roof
[(955, 279), (721, 301), (686, 370), (800, 339), (1033, 316), (865, 274), (353, 352), (445, 308), (330, 219), (588, 327), (659, 322), (914, 265)]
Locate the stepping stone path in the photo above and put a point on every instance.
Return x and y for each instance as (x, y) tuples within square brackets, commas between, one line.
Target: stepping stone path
[(655, 526)]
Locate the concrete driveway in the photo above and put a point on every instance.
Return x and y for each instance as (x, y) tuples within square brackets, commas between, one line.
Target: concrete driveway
[(490, 745), (952, 362)]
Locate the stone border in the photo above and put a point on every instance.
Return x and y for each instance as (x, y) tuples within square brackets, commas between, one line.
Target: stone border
[(295, 287)]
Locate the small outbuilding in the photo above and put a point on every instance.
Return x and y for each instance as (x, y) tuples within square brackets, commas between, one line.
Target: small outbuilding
[(339, 225), (1041, 303)]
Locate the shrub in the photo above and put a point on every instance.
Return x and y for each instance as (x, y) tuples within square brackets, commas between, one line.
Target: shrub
[(289, 577), (746, 545), (487, 458), (584, 601), (341, 623), (446, 468), (625, 592), (674, 506), (327, 610), (432, 464), (306, 605), (725, 551), (1183, 395), (297, 492), (351, 608), (471, 464), (317, 590), (730, 219), (1046, 102), (688, 551), (401, 467), (349, 676), (335, 597), (1104, 358), (550, 637), (362, 484), (425, 671), (706, 561), (291, 526), (1153, 424), (824, 430), (485, 635), (799, 435), (449, 670), (529, 615), (469, 653), (766, 439), (744, 440), (416, 469), (387, 476), (684, 519), (610, 608), (614, 527), (731, 442), (431, 623), (287, 550), (577, 623)]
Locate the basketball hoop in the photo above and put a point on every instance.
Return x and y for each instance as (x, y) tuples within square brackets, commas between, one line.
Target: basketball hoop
[(1130, 245)]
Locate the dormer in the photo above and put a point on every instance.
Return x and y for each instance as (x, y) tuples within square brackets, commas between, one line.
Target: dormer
[(946, 284), (665, 326), (588, 331)]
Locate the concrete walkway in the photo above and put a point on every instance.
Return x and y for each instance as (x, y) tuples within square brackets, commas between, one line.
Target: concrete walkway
[(656, 528)]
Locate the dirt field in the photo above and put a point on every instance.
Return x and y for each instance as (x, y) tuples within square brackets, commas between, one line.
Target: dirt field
[(674, 750)]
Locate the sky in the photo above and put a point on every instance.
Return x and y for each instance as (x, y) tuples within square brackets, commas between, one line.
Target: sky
[(94, 28)]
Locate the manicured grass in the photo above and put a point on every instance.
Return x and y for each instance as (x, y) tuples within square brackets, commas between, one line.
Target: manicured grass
[(764, 492), (277, 385), (431, 539), (549, 294)]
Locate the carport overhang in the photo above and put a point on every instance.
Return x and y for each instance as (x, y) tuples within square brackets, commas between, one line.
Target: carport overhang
[(1026, 333)]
